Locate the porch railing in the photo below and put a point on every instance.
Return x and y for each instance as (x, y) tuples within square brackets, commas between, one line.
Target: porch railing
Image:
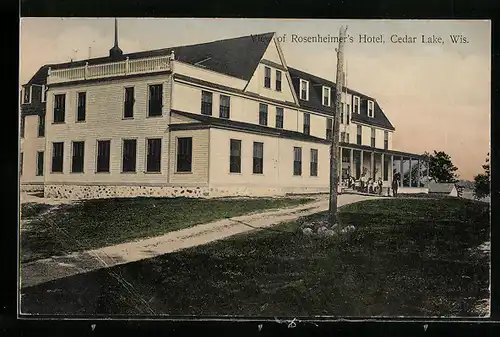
[(121, 68)]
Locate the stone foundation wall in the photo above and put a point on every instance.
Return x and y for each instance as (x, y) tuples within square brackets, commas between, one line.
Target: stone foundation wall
[(31, 187), (100, 191)]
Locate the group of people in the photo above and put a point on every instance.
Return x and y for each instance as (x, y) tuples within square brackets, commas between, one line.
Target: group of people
[(369, 185)]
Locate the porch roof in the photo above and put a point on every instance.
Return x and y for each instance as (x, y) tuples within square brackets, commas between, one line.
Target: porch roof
[(378, 150)]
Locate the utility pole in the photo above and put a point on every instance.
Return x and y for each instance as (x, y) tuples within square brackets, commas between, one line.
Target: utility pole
[(334, 147)]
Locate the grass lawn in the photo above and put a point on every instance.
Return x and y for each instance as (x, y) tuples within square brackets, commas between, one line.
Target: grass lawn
[(102, 222), (406, 257)]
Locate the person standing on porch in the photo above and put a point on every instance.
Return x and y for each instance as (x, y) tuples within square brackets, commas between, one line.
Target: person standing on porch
[(395, 183), (379, 184)]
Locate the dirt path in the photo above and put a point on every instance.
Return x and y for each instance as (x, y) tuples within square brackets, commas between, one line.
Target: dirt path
[(45, 270)]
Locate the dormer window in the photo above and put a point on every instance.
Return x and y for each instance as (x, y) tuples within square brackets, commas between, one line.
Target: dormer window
[(27, 95), (304, 90), (278, 80), (355, 104), (326, 96), (371, 109), (267, 77)]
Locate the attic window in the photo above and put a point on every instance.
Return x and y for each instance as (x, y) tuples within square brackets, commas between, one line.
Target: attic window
[(304, 90), (27, 95), (326, 96), (371, 109), (355, 104)]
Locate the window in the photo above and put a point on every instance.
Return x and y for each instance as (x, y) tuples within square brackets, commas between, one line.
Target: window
[(59, 108), (27, 95), (326, 96), (57, 157), (386, 140), (23, 122), (39, 163), (41, 126), (262, 114), (267, 77), (297, 161), (279, 118), (82, 98), (258, 158), (355, 104), (155, 100), (78, 155), (373, 138), (184, 154), (235, 156), (347, 137), (21, 159), (304, 90), (103, 154), (358, 134), (348, 114), (307, 123), (314, 163), (153, 163), (329, 128), (342, 137), (206, 103), (225, 102), (371, 108), (129, 155), (278, 80), (128, 104), (342, 113)]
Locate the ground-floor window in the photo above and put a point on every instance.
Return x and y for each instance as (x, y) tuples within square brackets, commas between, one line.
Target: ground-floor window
[(258, 157), (39, 163), (184, 154), (129, 155), (57, 156), (153, 161), (314, 163), (103, 154), (297, 161), (78, 157), (235, 156)]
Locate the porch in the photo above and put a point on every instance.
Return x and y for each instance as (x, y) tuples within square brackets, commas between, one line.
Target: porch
[(373, 163)]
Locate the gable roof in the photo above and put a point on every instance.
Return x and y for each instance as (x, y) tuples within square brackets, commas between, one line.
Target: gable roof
[(441, 187), (315, 99), (237, 57)]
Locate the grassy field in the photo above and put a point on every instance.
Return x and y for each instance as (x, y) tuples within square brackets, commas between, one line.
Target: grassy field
[(102, 222), (413, 257)]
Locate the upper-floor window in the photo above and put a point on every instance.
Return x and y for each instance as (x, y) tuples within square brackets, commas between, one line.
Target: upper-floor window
[(348, 114), (206, 103), (262, 114), (267, 77), (279, 118), (371, 109), (258, 158), (314, 163), (342, 136), (41, 126), (82, 103), (307, 123), (355, 104), (155, 100), (304, 90), (224, 109), (23, 121), (326, 96), (278, 80), (297, 161), (235, 156), (386, 140), (358, 134), (27, 91), (184, 154), (329, 128), (347, 137), (373, 137), (342, 109), (128, 104), (59, 108)]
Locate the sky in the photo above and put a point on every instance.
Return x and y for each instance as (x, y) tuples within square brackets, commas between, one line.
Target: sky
[(437, 95)]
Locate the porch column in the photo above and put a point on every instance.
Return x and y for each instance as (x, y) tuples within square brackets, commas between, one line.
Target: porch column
[(419, 173), (391, 171), (382, 166), (409, 173), (351, 162), (372, 164), (428, 169), (361, 162), (339, 165), (401, 171)]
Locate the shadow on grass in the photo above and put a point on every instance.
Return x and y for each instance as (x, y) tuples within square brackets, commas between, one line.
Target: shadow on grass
[(405, 258)]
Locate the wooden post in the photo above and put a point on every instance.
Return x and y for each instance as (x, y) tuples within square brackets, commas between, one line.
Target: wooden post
[(126, 66), (351, 162), (382, 166), (86, 75), (372, 165), (361, 159), (401, 171), (409, 173), (334, 148)]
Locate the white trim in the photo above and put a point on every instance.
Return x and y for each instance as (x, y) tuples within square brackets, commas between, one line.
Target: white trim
[(371, 126), (356, 99), (372, 114), (301, 86), (31, 94), (44, 91), (329, 96)]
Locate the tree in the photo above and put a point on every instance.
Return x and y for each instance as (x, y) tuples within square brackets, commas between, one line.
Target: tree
[(482, 181), (441, 168)]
